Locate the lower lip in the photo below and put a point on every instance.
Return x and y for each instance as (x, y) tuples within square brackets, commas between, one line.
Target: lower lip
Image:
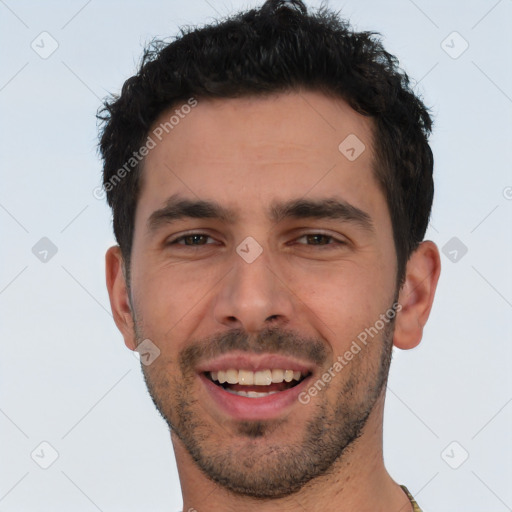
[(245, 408)]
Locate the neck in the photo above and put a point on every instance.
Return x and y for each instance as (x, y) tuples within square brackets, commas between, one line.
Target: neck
[(359, 481)]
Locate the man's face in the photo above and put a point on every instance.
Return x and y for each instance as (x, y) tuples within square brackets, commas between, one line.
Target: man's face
[(266, 289)]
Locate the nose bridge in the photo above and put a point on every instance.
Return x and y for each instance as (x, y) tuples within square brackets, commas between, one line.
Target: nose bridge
[(252, 294)]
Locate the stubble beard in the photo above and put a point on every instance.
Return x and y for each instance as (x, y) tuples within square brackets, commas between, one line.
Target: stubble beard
[(249, 466)]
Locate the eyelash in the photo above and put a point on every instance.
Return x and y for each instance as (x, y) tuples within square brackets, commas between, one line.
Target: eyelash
[(322, 246)]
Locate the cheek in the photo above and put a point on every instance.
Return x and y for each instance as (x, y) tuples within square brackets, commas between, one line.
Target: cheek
[(169, 296), (341, 302)]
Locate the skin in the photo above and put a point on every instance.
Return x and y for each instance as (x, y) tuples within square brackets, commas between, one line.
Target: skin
[(246, 153)]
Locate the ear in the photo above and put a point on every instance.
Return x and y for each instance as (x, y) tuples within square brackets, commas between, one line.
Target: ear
[(417, 295), (118, 294)]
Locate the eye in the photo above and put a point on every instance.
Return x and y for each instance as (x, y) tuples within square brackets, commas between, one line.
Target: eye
[(191, 240), (321, 239)]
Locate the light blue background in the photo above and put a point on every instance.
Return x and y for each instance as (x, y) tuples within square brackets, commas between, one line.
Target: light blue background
[(66, 376)]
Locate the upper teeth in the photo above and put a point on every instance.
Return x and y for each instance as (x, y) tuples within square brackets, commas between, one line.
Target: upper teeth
[(259, 378)]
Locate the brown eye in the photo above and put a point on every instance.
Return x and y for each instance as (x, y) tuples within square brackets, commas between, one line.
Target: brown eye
[(320, 239), (317, 239), (191, 240)]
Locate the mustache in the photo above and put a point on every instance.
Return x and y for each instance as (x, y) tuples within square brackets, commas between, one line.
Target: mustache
[(270, 340)]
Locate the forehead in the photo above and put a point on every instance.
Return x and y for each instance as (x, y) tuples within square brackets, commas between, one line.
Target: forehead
[(245, 149), (294, 121)]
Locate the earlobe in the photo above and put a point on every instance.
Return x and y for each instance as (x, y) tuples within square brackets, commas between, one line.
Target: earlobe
[(417, 295), (118, 295)]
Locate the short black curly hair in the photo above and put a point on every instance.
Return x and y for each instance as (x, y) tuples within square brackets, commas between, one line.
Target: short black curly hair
[(279, 47)]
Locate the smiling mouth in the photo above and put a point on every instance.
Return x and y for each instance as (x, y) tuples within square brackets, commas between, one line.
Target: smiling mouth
[(256, 384)]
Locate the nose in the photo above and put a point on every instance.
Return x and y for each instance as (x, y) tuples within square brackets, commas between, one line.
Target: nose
[(254, 295)]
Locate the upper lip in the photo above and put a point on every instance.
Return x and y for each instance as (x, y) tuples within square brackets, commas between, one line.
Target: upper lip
[(254, 362)]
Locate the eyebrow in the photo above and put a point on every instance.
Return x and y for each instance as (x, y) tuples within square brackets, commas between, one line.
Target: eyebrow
[(178, 207)]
